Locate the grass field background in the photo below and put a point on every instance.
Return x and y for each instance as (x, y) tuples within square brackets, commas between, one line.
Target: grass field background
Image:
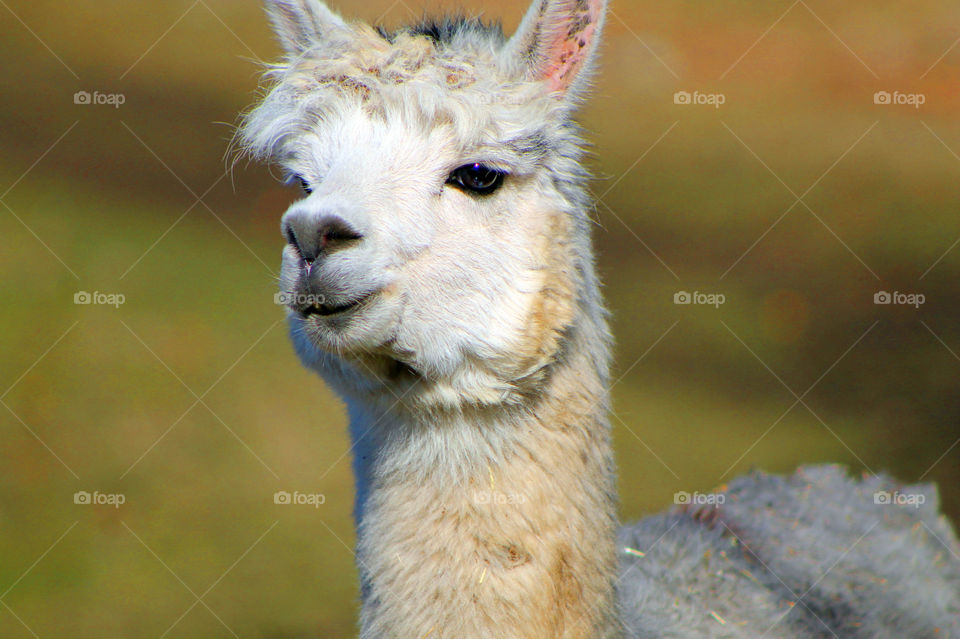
[(187, 398)]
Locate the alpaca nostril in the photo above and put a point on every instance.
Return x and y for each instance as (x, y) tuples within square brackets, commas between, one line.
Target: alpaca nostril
[(335, 229), (312, 236)]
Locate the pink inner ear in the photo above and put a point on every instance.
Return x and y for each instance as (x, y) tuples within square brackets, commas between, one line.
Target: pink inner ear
[(568, 50)]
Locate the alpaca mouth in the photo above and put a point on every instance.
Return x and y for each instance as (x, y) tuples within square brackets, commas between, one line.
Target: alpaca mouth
[(326, 310), (333, 309)]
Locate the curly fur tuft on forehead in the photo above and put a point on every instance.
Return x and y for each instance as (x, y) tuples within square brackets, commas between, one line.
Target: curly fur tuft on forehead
[(453, 72)]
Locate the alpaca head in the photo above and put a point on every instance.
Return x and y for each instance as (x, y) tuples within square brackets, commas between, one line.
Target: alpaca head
[(441, 246)]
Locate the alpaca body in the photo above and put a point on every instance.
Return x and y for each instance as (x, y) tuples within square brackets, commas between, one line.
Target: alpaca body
[(442, 282), (809, 556)]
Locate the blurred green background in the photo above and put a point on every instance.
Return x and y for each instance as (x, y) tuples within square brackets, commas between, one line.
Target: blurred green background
[(798, 199)]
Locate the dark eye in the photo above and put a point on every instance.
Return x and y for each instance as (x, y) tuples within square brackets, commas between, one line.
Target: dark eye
[(304, 185), (477, 178)]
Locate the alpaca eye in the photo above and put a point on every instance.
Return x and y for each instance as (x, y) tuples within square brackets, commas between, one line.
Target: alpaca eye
[(477, 178), (304, 185)]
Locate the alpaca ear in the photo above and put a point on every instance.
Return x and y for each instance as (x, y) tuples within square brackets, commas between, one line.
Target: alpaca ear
[(557, 41), (301, 24)]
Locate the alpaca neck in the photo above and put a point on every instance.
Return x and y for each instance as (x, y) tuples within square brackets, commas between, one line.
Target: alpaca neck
[(498, 522)]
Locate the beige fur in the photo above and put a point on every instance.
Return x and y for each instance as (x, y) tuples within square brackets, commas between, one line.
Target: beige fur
[(522, 546)]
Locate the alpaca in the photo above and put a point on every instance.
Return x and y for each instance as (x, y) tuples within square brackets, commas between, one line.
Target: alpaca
[(441, 279)]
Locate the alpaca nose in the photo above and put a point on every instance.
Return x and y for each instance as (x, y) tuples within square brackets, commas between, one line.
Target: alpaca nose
[(316, 235)]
